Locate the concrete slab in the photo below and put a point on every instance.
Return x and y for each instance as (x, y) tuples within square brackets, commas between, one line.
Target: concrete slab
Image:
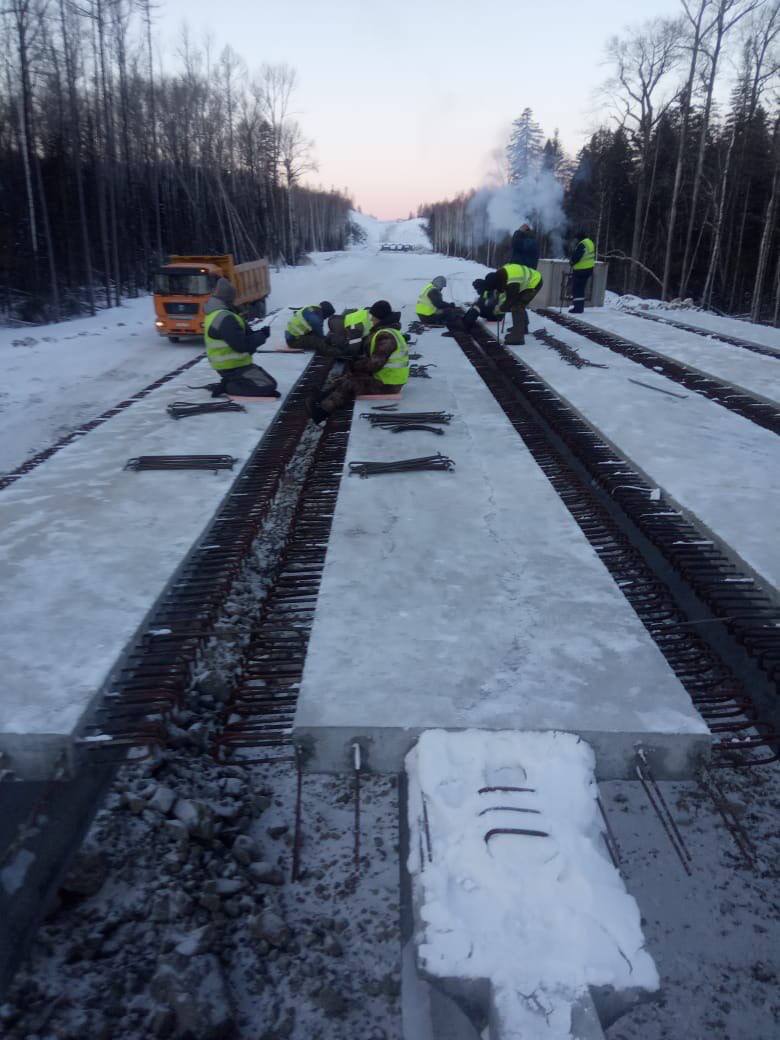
[(752, 372), (717, 467), (86, 548), (472, 599)]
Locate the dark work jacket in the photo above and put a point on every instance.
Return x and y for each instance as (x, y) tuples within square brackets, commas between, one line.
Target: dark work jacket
[(525, 249), (228, 328)]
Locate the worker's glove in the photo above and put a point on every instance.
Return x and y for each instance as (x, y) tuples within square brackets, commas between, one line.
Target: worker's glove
[(265, 332)]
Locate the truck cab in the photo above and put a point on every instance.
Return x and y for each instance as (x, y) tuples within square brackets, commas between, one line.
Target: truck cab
[(184, 284)]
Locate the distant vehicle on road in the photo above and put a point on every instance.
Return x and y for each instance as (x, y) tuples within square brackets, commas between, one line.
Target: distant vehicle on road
[(183, 285), (398, 247)]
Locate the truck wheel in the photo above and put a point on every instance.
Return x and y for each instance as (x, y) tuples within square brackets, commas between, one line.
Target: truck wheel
[(174, 339), (257, 309)]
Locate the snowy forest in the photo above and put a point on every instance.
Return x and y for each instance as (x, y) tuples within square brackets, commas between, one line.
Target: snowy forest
[(679, 183), (108, 162)]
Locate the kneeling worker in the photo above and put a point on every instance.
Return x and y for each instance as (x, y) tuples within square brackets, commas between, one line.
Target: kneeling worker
[(519, 285), (486, 306), (230, 345), (432, 308), (305, 328), (383, 370)]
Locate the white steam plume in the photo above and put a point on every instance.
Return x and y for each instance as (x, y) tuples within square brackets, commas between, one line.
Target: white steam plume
[(536, 200)]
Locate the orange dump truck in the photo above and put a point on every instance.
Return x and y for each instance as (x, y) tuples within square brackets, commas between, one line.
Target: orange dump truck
[(183, 285)]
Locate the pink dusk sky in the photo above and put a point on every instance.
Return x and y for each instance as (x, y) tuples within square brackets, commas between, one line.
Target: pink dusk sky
[(406, 100)]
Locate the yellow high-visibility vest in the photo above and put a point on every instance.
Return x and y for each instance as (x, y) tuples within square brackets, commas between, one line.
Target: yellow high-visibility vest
[(522, 276), (396, 368), (588, 259), (220, 354), (359, 320), (425, 308), (297, 325)]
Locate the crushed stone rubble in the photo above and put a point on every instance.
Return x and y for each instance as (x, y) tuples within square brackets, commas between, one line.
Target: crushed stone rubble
[(177, 917)]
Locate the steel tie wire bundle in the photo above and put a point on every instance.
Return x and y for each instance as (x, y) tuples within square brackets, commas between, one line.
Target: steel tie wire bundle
[(425, 462), (208, 462), (183, 409), (388, 418)]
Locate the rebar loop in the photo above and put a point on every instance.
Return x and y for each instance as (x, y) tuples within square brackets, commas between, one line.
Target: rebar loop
[(388, 418), (208, 462), (425, 462), (569, 354), (183, 409), (662, 810)]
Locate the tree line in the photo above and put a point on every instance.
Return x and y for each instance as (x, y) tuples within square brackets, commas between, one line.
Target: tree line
[(680, 187), (108, 163)]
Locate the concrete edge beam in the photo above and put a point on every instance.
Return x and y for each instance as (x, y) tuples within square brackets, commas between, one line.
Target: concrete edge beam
[(671, 756)]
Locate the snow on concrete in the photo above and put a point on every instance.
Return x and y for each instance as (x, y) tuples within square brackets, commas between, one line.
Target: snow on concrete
[(715, 465), (56, 377), (86, 547), (752, 372), (542, 918), (472, 599), (763, 334)]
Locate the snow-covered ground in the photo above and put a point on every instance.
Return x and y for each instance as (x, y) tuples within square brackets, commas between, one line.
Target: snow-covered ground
[(392, 232)]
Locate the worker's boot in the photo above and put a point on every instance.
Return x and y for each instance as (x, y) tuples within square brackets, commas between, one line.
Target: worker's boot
[(578, 308), (516, 336)]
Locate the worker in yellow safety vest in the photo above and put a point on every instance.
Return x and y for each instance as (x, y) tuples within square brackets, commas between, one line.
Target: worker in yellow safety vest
[(384, 369), (488, 305), (518, 284), (305, 328), (347, 333), (230, 345), (432, 308), (582, 261)]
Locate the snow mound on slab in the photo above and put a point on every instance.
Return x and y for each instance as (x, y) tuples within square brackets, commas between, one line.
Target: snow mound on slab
[(628, 302), (541, 918)]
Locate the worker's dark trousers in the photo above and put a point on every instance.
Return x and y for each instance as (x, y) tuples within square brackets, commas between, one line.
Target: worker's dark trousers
[(518, 307), (249, 381), (579, 283)]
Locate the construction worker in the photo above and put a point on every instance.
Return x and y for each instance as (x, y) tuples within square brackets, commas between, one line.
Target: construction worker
[(384, 369), (305, 328), (230, 345), (347, 332), (525, 247), (487, 305), (432, 308), (582, 261), (518, 284)]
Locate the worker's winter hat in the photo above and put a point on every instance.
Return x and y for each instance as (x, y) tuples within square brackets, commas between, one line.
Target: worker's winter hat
[(491, 281), (439, 281), (225, 290), (478, 285), (327, 309), (383, 312)]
